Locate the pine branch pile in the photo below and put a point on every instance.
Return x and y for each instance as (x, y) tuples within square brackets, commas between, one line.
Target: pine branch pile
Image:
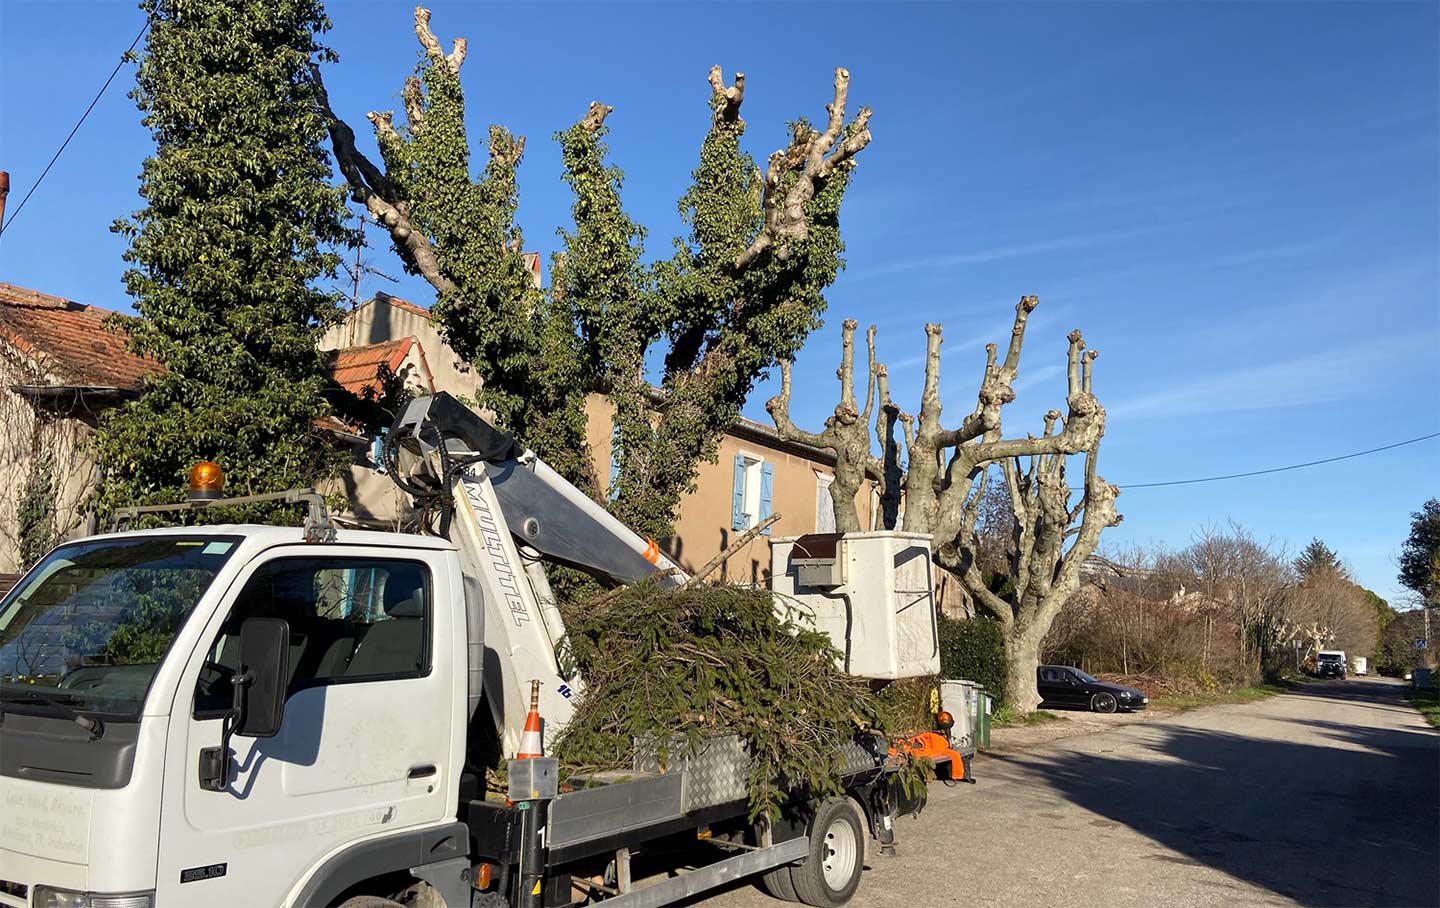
[(677, 666)]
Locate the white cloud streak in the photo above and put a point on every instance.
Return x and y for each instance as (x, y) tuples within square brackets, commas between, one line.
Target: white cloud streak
[(997, 253), (1314, 378)]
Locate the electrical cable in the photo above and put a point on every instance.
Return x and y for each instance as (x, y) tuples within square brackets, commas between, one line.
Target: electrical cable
[(1295, 466), (113, 73)]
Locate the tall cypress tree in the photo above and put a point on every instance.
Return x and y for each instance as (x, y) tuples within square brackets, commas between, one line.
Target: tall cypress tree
[(239, 223)]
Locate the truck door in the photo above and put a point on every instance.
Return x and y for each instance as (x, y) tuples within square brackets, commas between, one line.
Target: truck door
[(365, 748)]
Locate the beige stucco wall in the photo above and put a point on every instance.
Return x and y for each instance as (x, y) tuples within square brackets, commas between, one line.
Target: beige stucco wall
[(378, 320), (26, 436), (703, 528)]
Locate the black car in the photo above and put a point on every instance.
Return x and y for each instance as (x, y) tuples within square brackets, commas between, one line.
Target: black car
[(1061, 685)]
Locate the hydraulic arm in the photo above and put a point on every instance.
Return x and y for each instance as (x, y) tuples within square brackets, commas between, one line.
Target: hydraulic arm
[(506, 511)]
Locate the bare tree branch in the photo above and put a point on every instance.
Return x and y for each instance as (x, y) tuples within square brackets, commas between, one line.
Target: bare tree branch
[(454, 59), (996, 387), (371, 188), (794, 173), (779, 409), (846, 432)]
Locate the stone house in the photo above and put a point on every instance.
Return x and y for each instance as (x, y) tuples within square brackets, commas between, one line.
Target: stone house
[(60, 368)]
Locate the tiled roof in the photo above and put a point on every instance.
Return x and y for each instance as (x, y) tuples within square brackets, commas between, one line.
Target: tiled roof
[(68, 341), (359, 370), (402, 304)]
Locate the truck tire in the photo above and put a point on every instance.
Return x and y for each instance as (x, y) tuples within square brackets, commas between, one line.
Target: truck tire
[(369, 901), (831, 872), (776, 883)]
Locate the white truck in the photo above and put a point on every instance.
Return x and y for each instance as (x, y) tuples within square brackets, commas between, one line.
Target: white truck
[(1330, 663), (244, 715)]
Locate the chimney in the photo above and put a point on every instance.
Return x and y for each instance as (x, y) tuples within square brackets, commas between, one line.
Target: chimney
[(4, 191)]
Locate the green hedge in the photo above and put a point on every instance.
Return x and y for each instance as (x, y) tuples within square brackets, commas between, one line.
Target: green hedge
[(974, 649)]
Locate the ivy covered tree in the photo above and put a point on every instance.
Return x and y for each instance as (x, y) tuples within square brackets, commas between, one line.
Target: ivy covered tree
[(239, 223), (740, 294)]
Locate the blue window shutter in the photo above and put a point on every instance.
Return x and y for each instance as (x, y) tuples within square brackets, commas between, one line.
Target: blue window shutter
[(737, 506), (767, 492)]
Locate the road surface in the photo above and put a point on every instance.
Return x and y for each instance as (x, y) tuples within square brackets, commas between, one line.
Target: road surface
[(1329, 796)]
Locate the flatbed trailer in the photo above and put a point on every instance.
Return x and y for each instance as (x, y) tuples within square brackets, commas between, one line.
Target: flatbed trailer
[(592, 831)]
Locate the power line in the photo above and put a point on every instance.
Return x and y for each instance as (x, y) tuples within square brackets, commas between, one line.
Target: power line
[(113, 73), (1293, 466)]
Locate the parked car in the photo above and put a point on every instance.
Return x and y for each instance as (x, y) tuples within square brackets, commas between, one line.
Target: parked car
[(1061, 685)]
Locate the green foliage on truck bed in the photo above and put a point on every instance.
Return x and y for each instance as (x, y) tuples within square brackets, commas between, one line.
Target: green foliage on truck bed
[(676, 667)]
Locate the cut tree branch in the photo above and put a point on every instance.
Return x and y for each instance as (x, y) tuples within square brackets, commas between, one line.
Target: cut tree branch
[(371, 188), (794, 174), (454, 59), (727, 100), (595, 117)]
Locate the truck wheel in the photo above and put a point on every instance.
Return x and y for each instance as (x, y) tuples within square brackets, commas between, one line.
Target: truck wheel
[(776, 883), (831, 872), (1103, 703)]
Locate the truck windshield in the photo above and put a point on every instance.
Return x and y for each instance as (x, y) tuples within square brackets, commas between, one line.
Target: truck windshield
[(86, 629)]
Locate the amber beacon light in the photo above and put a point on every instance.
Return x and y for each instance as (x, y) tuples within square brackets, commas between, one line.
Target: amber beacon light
[(207, 481)]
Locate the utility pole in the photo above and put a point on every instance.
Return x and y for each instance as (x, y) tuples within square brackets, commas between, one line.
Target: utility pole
[(4, 191)]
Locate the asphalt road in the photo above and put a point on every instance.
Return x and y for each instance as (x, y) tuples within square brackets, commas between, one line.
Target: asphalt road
[(1327, 797)]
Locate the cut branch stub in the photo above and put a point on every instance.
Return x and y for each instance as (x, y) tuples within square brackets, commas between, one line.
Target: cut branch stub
[(506, 149), (595, 117), (725, 99), (433, 50)]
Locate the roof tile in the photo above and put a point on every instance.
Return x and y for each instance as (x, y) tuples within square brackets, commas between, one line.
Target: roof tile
[(69, 340), (359, 369)]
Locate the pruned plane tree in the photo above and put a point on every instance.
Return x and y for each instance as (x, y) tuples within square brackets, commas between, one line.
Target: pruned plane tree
[(940, 475)]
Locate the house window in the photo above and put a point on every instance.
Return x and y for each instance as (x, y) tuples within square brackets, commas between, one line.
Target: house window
[(824, 504), (753, 491)]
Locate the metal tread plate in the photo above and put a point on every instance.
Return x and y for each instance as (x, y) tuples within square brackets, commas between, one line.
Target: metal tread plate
[(719, 771)]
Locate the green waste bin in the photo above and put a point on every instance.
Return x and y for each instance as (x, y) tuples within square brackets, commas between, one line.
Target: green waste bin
[(982, 724)]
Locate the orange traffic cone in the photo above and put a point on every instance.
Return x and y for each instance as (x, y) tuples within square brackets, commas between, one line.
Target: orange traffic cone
[(531, 744)]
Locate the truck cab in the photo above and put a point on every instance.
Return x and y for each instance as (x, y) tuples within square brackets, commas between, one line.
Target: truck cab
[(118, 656)]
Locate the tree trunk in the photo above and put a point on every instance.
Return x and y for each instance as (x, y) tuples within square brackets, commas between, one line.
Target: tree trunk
[(1022, 651)]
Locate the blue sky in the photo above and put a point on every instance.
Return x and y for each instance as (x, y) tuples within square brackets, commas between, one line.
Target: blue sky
[(1236, 202)]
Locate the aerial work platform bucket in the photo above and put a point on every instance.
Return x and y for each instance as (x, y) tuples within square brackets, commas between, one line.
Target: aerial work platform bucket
[(872, 593)]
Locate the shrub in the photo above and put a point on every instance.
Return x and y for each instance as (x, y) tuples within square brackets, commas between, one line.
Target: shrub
[(974, 649)]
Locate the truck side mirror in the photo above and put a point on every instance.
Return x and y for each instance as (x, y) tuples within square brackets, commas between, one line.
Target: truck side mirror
[(265, 665), (259, 704)]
